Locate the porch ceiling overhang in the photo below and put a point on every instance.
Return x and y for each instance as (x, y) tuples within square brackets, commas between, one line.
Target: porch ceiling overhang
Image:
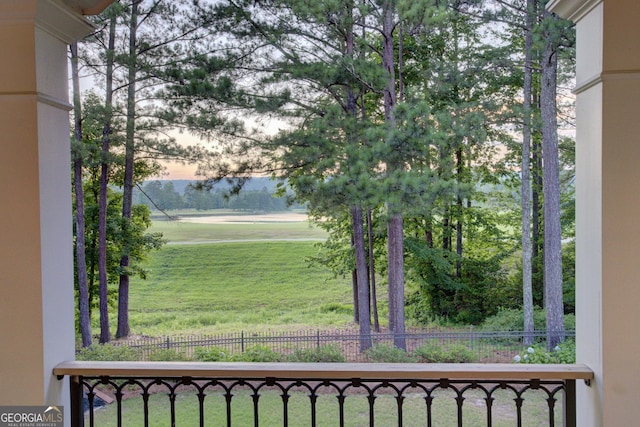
[(573, 10), (88, 7)]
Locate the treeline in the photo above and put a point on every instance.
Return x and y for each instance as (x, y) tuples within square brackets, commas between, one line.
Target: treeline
[(389, 120), (162, 195)]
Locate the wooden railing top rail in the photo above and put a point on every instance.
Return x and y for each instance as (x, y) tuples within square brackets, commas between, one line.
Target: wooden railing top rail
[(471, 371)]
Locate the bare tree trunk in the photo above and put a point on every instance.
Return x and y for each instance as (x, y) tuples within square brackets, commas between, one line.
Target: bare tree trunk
[(127, 198), (81, 263), (105, 333), (363, 282), (354, 286), (428, 234), (446, 228), (459, 209), (395, 237), (537, 227), (372, 273), (525, 189), (552, 232)]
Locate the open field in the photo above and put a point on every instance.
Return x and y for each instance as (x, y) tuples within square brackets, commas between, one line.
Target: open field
[(223, 287), (210, 227)]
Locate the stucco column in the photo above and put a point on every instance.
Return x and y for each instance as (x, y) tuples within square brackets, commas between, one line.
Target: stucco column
[(608, 207), (36, 264)]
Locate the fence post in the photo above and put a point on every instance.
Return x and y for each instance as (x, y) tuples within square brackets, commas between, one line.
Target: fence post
[(318, 339), (168, 343), (242, 341), (569, 413), (77, 401), (471, 337)]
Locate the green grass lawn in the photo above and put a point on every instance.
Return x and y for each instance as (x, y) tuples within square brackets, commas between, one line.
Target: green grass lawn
[(228, 287)]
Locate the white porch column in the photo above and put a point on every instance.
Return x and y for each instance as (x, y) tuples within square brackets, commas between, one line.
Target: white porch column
[(608, 207), (36, 264)]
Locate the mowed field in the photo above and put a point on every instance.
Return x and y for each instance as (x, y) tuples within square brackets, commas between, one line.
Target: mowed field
[(228, 276)]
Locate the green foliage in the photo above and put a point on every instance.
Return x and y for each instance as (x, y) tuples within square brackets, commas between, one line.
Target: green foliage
[(258, 353), (563, 353), (387, 353), (321, 354), (456, 353), (463, 289), (513, 320), (108, 352), (167, 355), (211, 354)]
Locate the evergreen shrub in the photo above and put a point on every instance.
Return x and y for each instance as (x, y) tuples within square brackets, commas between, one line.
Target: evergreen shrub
[(387, 353), (322, 354)]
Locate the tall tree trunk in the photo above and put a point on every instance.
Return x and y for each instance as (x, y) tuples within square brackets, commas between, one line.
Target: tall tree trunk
[(525, 189), (395, 237), (459, 212), (127, 197), (354, 287), (81, 263), (363, 281), (105, 333), (372, 273), (446, 228), (552, 232), (537, 228), (428, 234)]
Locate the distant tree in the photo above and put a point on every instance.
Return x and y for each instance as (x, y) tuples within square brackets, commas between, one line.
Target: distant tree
[(552, 35), (143, 40), (78, 166)]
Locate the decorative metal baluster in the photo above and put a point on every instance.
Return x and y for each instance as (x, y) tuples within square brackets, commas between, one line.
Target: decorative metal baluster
[(372, 400), (228, 396), (256, 398), (551, 402), (90, 398), (429, 401), (400, 403), (285, 408), (313, 399), (341, 398), (519, 401), (459, 401), (201, 396), (145, 404), (119, 403), (489, 400), (172, 403)]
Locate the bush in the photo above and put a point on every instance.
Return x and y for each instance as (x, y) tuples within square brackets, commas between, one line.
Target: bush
[(258, 353), (167, 355), (211, 354), (513, 320), (322, 354), (108, 352), (386, 353), (563, 353), (456, 353)]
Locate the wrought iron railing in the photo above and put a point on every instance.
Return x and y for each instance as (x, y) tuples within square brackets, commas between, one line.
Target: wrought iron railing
[(323, 394)]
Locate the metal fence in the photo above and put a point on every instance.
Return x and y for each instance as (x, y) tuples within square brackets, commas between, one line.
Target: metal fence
[(487, 346)]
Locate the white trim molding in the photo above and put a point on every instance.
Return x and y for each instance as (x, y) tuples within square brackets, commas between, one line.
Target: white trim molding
[(573, 10)]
